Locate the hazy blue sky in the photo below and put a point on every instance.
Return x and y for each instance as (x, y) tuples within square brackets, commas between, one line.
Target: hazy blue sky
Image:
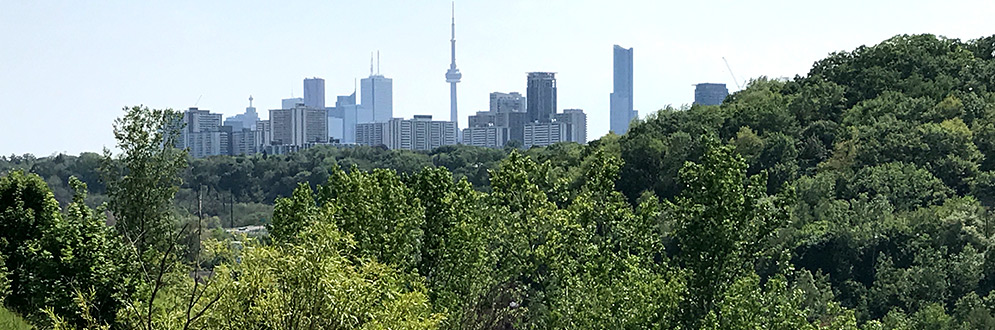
[(68, 67)]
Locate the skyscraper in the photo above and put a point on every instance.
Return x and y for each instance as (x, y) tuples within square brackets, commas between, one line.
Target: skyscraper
[(541, 96), (710, 94), (377, 96), (314, 93), (453, 77), (621, 112)]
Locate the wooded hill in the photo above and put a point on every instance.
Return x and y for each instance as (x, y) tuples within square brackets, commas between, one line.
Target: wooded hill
[(857, 196)]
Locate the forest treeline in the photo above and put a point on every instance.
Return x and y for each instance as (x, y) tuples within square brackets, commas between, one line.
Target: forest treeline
[(858, 196)]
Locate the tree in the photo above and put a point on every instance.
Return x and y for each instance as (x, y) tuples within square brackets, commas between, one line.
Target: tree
[(141, 183), (380, 212), (723, 217), (293, 215), (455, 260), (52, 256), (311, 282), (611, 270), (143, 178)]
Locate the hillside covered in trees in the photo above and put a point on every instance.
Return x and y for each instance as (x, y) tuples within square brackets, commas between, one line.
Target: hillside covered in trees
[(858, 196)]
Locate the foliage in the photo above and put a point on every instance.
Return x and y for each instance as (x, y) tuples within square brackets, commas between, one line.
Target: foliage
[(381, 213), (49, 254), (722, 218), (313, 284), (142, 181)]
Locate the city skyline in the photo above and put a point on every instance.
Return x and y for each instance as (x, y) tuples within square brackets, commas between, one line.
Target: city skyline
[(82, 63)]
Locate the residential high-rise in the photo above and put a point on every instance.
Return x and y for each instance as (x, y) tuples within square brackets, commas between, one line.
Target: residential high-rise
[(202, 134), (544, 134), (495, 129), (538, 125), (314, 93), (419, 133), (377, 97), (576, 122), (487, 136), (241, 141), (507, 102), (453, 77), (299, 126), (621, 112), (541, 96), (710, 94), (264, 134), (198, 120)]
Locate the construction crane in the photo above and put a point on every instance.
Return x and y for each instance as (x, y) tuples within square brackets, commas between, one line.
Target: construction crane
[(732, 74)]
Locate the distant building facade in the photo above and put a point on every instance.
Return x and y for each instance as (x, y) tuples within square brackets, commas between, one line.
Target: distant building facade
[(544, 134), (263, 135), (377, 94), (621, 111), (531, 121), (507, 102), (710, 94), (245, 120), (298, 126), (419, 133), (241, 141), (488, 136), (314, 93), (541, 96), (201, 134), (291, 102), (576, 124), (495, 129)]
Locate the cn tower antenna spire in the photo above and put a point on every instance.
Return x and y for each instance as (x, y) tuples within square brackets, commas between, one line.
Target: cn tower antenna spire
[(453, 77)]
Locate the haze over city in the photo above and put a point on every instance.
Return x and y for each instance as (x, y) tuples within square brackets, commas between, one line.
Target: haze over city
[(68, 68)]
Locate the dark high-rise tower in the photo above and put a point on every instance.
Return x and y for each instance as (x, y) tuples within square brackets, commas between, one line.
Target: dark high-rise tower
[(621, 112), (710, 94), (453, 77), (541, 96)]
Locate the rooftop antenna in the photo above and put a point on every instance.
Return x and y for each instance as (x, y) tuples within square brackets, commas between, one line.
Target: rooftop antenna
[(371, 63), (198, 100), (732, 74), (378, 62), (250, 101)]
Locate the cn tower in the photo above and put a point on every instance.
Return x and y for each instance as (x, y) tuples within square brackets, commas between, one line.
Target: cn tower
[(452, 77)]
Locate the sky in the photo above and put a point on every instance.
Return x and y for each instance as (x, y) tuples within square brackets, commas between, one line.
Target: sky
[(67, 68)]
